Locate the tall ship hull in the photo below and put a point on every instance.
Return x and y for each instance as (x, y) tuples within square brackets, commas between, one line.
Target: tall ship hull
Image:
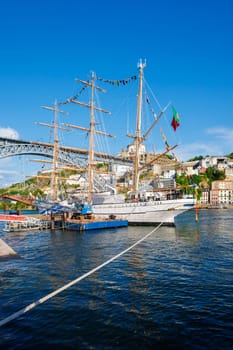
[(136, 213), (145, 213)]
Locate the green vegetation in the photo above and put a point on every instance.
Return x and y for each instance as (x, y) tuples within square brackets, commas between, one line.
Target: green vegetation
[(34, 188), (102, 166), (214, 174), (147, 175), (198, 193), (195, 158), (230, 155), (189, 183)]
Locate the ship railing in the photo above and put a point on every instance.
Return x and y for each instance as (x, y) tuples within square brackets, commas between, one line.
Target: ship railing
[(132, 204)]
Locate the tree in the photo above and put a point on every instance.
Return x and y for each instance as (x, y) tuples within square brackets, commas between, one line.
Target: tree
[(195, 179), (195, 158), (230, 155), (184, 182), (214, 174), (198, 193)]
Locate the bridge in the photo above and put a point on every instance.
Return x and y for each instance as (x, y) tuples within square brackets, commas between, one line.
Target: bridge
[(66, 155), (20, 199)]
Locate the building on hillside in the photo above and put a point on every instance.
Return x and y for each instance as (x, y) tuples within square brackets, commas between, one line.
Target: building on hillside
[(205, 196), (221, 192), (220, 163), (200, 166), (163, 183), (229, 170), (129, 153), (163, 166), (189, 168)]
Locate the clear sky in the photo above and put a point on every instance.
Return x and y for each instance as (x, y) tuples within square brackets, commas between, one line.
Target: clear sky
[(46, 45)]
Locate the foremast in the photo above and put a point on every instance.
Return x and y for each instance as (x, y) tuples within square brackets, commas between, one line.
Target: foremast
[(55, 126)]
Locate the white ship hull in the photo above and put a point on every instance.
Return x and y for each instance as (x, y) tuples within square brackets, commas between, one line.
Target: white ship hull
[(145, 213)]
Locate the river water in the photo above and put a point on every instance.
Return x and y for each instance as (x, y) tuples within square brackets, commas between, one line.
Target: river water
[(174, 290)]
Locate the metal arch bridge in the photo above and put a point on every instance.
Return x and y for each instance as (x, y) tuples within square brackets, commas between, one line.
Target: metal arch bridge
[(66, 155)]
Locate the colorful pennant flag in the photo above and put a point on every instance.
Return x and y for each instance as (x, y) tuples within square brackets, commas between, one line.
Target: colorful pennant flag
[(165, 139), (175, 120), (118, 82)]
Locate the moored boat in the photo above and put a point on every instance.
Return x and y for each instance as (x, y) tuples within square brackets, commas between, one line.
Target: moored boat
[(24, 223), (145, 212), (82, 219)]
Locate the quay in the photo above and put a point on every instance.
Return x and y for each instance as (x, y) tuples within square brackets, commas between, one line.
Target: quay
[(6, 251)]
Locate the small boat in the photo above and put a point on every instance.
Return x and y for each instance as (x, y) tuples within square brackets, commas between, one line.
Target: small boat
[(82, 219), (17, 223)]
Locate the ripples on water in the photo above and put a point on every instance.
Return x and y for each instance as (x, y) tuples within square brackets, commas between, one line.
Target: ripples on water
[(172, 291)]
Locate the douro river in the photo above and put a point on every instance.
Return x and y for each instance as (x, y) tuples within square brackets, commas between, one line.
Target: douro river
[(173, 290)]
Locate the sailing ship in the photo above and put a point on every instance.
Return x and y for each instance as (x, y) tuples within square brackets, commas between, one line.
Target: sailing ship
[(141, 207)]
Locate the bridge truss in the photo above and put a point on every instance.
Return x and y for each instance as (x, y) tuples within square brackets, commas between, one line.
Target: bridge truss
[(66, 155)]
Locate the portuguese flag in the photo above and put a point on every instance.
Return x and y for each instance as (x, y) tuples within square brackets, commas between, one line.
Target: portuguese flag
[(175, 120)]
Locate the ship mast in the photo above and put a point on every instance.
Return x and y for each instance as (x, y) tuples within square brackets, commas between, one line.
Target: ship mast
[(137, 137), (91, 130), (55, 126), (91, 142), (55, 150)]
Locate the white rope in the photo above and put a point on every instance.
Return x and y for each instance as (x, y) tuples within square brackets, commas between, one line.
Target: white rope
[(68, 285)]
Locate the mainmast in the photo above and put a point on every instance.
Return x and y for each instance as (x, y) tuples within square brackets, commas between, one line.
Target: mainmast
[(91, 130), (137, 137), (91, 142)]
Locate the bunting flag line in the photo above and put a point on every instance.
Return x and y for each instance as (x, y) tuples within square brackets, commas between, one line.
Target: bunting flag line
[(175, 119), (118, 82), (112, 82), (151, 108), (75, 96)]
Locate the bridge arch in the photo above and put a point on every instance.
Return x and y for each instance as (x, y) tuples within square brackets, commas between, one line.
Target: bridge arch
[(78, 158), (14, 148)]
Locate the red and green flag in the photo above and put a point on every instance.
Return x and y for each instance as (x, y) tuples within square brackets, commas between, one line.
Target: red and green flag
[(175, 120)]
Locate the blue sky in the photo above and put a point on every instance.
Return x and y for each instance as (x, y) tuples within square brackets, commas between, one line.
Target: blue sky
[(46, 45)]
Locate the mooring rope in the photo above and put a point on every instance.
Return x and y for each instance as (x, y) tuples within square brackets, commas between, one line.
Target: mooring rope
[(68, 285)]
